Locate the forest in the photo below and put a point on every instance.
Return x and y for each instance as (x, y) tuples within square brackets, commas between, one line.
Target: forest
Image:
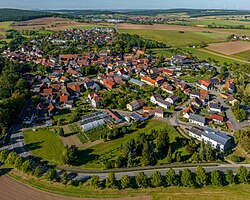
[(20, 15), (14, 90)]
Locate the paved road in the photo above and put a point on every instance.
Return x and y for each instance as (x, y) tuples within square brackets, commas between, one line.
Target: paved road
[(119, 175)]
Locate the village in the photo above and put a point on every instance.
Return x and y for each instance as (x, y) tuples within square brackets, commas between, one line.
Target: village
[(200, 108), (105, 87)]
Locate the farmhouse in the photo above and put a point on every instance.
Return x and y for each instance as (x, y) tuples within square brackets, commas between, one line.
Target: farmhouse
[(114, 115), (158, 100), (217, 118), (214, 107), (205, 84)]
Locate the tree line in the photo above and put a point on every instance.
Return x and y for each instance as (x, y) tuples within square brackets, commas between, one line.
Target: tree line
[(197, 179)]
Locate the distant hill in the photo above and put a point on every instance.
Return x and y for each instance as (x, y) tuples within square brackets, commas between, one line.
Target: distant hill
[(7, 14), (154, 12)]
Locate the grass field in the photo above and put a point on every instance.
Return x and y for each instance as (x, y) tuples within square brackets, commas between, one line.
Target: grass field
[(45, 144), (48, 146), (245, 55), (191, 79), (234, 192), (174, 38)]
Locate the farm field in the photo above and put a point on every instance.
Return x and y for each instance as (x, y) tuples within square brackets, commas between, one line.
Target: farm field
[(17, 182), (205, 55), (52, 24), (203, 22), (175, 38), (229, 48), (45, 144), (245, 55)]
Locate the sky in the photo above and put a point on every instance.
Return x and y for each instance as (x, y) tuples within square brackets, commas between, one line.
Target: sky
[(124, 4)]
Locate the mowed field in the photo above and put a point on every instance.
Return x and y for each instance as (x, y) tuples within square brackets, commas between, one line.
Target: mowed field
[(45, 144), (52, 24), (229, 48), (175, 38)]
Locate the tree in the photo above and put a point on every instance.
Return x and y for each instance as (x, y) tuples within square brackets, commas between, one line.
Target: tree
[(38, 172), (95, 181), (242, 174), (186, 178), (169, 155), (69, 155), (230, 176), (162, 142), (216, 178), (171, 178), (147, 154), (141, 180), (51, 175), (195, 157), (61, 132), (110, 181), (18, 162), (126, 181), (10, 161), (201, 176), (64, 178), (178, 157), (209, 152), (3, 155), (202, 151), (156, 179), (27, 167)]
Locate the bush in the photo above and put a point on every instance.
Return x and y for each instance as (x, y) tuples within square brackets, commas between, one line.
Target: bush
[(51, 175), (38, 172), (236, 158), (3, 155), (27, 167)]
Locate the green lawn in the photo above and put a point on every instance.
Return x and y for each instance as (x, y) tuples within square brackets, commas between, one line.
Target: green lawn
[(192, 79), (239, 192), (174, 38), (45, 144), (164, 53)]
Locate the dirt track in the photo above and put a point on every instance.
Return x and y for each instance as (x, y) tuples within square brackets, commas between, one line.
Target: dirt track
[(11, 189)]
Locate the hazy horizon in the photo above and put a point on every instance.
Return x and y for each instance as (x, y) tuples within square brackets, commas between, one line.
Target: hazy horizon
[(125, 4)]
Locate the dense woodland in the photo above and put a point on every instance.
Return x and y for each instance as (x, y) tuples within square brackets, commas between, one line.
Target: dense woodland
[(20, 15), (14, 91)]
